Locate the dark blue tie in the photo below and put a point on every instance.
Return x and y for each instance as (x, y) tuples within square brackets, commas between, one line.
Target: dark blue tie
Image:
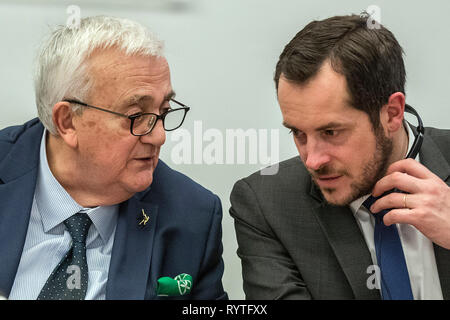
[(395, 284), (70, 278)]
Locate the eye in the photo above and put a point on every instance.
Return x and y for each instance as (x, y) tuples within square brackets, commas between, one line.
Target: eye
[(330, 132), (294, 132), (135, 114), (133, 110), (165, 108), (298, 135), (137, 118)]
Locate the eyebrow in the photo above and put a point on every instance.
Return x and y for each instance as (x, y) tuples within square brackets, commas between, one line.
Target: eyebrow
[(169, 96), (327, 126), (288, 125), (134, 99)]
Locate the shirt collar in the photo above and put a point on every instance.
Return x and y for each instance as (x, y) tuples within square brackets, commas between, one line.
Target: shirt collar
[(356, 204), (55, 205), (104, 218)]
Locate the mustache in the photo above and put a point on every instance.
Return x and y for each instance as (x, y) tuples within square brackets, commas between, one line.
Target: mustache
[(326, 171)]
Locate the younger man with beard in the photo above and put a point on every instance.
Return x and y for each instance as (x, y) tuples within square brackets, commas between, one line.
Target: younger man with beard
[(305, 232)]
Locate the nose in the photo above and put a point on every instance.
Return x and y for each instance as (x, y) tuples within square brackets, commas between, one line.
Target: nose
[(316, 156), (157, 136)]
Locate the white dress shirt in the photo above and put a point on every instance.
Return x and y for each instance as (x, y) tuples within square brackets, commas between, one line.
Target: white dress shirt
[(47, 240), (418, 249)]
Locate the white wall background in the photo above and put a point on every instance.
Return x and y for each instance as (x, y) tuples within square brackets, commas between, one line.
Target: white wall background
[(222, 55)]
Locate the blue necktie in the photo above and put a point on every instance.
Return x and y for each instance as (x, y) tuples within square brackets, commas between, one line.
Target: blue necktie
[(395, 284), (70, 278)]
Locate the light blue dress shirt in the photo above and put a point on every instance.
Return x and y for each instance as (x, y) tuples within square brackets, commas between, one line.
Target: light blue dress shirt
[(47, 240)]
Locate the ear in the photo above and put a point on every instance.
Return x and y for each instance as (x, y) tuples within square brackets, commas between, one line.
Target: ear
[(63, 117), (391, 114)]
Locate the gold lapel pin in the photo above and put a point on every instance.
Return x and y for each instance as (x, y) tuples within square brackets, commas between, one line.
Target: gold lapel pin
[(144, 219)]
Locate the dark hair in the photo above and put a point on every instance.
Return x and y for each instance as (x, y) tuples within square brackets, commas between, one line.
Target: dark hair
[(369, 57)]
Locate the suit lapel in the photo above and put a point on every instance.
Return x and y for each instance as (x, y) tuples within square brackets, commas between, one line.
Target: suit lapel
[(349, 246), (18, 171), (132, 251), (443, 265), (16, 199), (432, 158)]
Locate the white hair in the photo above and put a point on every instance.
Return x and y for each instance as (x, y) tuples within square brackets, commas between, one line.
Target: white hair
[(61, 65)]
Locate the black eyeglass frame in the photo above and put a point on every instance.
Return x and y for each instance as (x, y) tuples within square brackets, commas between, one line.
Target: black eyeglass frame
[(133, 117)]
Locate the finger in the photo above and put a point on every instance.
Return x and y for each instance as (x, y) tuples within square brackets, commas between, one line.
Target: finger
[(405, 216), (411, 167), (399, 180), (395, 200)]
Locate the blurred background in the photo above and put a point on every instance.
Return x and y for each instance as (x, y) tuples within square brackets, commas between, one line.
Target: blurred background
[(222, 55)]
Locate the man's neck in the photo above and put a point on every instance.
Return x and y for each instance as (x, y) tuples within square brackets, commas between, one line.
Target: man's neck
[(401, 142)]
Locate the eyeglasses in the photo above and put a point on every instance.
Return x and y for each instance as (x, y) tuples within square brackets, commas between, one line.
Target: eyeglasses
[(143, 123)]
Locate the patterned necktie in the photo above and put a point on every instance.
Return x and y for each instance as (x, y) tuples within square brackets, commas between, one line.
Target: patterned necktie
[(70, 278), (395, 284)]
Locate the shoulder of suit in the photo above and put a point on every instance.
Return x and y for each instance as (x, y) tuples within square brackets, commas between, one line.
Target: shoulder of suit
[(288, 174), (442, 139), (292, 167), (438, 134), (10, 135)]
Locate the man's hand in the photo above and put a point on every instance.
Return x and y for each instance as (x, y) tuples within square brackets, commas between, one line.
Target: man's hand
[(427, 202)]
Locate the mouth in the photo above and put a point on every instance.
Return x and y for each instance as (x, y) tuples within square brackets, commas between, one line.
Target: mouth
[(146, 160), (328, 181)]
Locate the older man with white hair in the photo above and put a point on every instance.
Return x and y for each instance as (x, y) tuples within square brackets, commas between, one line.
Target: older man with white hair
[(88, 211)]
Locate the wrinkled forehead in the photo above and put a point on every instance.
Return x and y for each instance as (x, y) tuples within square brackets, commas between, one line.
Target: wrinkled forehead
[(112, 63), (130, 77)]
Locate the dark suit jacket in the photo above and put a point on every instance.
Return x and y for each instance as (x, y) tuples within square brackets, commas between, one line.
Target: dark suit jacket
[(295, 246), (183, 234)]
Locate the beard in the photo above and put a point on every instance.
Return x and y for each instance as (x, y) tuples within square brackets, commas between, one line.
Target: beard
[(373, 170)]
